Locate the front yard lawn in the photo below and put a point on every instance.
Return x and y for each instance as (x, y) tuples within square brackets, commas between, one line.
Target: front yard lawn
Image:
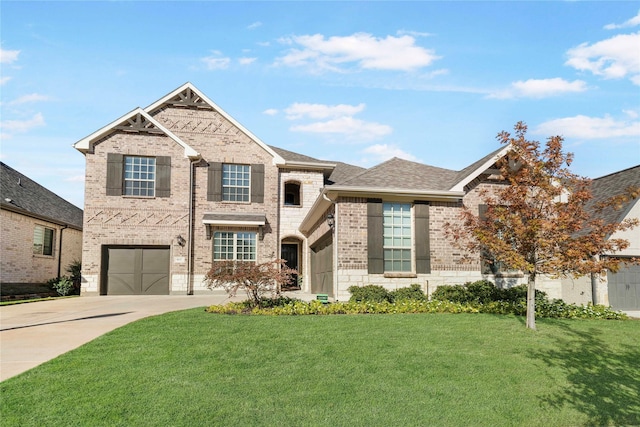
[(192, 368)]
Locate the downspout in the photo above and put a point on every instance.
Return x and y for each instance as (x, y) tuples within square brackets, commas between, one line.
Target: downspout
[(595, 298), (191, 233), (60, 251)]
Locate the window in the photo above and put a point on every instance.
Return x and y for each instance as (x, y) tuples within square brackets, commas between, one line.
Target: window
[(396, 223), (43, 238), (238, 246), (292, 194), (139, 176), (235, 182)]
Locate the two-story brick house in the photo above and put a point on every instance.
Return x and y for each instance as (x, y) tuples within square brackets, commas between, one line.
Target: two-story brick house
[(172, 187)]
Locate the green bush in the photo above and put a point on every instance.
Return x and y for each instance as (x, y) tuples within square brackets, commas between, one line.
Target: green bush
[(413, 292), (453, 293), (372, 293), (64, 286)]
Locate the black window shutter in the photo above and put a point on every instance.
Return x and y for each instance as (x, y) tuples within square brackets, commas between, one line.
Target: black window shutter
[(114, 174), (214, 182), (423, 253), (374, 237), (163, 176), (257, 183)]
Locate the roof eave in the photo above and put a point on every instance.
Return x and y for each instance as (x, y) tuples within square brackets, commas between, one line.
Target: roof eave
[(21, 211), (459, 186), (435, 195)]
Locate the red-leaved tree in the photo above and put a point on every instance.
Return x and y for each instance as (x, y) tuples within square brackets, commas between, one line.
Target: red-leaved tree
[(257, 280), (542, 221)]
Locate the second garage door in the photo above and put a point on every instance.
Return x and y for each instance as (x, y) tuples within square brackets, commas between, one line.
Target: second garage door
[(624, 288), (136, 271)]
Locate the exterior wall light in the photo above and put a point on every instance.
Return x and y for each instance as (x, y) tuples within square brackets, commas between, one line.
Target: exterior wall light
[(180, 240), (330, 221)]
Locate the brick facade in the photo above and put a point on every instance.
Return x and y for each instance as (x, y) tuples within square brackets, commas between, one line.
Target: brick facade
[(19, 264)]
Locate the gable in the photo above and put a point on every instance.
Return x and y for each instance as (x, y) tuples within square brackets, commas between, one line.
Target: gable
[(139, 122), (187, 111)]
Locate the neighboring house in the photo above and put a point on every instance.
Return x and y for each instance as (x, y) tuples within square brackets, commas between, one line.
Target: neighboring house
[(177, 185), (41, 232), (621, 290)]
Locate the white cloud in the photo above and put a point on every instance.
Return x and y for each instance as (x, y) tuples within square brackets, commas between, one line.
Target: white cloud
[(246, 61), (10, 127), (366, 51), (413, 33), (4, 80), (382, 152), (321, 111), (633, 22), (216, 62), (270, 112), (355, 129), (33, 97), (584, 127), (8, 56), (613, 58), (540, 88), (254, 25)]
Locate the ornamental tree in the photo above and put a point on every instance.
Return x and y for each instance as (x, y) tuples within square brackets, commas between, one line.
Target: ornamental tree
[(542, 220), (257, 280)]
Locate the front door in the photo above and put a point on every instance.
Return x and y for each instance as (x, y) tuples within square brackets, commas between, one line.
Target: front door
[(289, 253)]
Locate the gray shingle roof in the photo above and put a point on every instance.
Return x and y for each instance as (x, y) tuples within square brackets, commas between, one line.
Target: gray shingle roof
[(294, 157), (29, 197), (475, 165), (344, 171), (403, 174), (611, 185)]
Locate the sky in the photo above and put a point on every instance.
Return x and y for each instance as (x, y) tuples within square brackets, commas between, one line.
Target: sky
[(357, 82)]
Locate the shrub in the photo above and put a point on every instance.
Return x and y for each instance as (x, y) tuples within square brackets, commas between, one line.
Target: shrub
[(257, 280), (372, 293), (413, 292), (453, 293), (64, 286), (74, 269)]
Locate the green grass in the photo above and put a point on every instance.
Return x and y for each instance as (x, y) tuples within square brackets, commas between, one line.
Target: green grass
[(191, 368)]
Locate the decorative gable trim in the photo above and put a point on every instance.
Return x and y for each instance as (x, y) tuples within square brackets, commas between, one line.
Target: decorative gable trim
[(135, 121), (459, 186), (188, 95)]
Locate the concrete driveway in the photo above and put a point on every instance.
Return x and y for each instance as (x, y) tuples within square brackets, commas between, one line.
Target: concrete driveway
[(32, 333)]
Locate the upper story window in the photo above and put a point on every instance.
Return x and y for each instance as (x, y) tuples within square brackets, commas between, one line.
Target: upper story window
[(238, 246), (43, 238), (230, 182), (396, 223), (236, 182), (292, 194), (139, 176)]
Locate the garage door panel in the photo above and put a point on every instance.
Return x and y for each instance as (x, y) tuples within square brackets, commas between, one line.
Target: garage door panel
[(121, 284), (155, 284), (137, 271), (624, 288)]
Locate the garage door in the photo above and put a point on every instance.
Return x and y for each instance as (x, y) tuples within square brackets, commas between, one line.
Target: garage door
[(136, 271), (322, 266), (624, 288)]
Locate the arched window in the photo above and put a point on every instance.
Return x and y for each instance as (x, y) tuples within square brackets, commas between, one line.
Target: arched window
[(292, 194)]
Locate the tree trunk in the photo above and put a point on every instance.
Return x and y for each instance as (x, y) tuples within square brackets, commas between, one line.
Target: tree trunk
[(531, 302)]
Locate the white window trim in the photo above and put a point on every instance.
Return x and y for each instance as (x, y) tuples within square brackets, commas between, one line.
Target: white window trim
[(235, 245), (125, 179), (248, 187)]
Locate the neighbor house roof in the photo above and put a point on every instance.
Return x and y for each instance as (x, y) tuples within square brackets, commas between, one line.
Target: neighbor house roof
[(25, 196), (611, 185)]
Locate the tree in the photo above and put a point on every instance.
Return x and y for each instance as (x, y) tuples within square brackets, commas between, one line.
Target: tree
[(257, 280), (542, 221)]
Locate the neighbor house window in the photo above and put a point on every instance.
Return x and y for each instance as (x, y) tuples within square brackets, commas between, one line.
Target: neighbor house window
[(292, 194), (43, 240), (238, 246), (396, 223), (139, 176), (236, 181)]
